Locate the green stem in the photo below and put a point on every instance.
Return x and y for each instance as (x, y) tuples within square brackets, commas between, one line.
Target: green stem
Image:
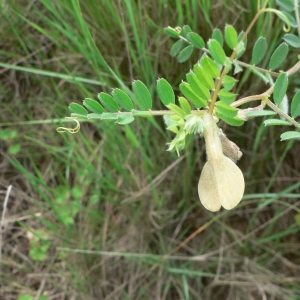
[(280, 112)]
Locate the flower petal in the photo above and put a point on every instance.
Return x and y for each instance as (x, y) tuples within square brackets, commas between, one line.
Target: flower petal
[(221, 182), (230, 183), (207, 189)]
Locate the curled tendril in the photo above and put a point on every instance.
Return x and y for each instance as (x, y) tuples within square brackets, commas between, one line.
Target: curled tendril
[(279, 14), (70, 130), (178, 29)]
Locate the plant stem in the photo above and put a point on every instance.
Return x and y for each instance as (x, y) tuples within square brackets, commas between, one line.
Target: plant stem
[(280, 112), (296, 6)]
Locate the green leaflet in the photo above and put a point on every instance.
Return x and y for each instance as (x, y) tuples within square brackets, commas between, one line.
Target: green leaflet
[(229, 82), (218, 36), (143, 96), (235, 121), (210, 67), (226, 110), (176, 48), (290, 135), (185, 54), (273, 122), (185, 106), (186, 29), (176, 109), (216, 51), (187, 91), (165, 92), (172, 32), (259, 50), (109, 116), (108, 102), (280, 88), (226, 96), (278, 56), (77, 109), (292, 39), (143, 114), (295, 106), (125, 119), (231, 36), (204, 77), (241, 46), (197, 87), (93, 106), (260, 113), (94, 116), (196, 40), (122, 99)]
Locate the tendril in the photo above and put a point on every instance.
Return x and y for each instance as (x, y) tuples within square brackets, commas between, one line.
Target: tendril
[(70, 130)]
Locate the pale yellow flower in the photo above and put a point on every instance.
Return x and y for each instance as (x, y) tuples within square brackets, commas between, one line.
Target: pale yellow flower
[(221, 182)]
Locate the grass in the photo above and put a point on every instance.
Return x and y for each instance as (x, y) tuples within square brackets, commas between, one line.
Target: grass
[(113, 207)]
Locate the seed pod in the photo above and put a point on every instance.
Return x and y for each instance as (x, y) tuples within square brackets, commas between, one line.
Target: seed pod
[(221, 182)]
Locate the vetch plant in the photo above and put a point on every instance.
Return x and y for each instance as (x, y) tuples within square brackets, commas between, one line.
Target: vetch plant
[(207, 97)]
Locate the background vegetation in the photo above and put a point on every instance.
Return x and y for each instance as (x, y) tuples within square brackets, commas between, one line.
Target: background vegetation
[(113, 193)]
